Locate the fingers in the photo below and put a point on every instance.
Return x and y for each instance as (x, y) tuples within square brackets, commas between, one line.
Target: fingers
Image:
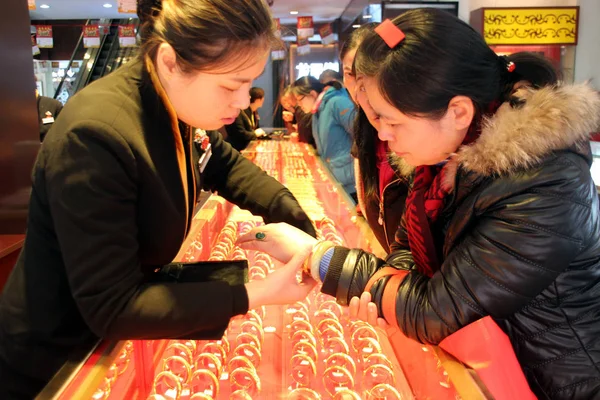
[(363, 313), (353, 307)]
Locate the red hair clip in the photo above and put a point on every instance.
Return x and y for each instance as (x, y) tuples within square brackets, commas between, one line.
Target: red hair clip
[(511, 66), (390, 33)]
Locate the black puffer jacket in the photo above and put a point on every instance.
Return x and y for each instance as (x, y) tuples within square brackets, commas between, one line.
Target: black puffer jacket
[(521, 234)]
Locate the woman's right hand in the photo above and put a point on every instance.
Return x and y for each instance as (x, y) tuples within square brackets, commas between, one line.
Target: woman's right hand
[(281, 287), (281, 241), (288, 116)]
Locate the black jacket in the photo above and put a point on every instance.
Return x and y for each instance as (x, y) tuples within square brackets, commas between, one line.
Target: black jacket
[(521, 243), (47, 105), (114, 189), (241, 132), (304, 123)]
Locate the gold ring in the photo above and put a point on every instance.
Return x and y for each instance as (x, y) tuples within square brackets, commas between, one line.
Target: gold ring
[(306, 348), (303, 369), (304, 336), (300, 324), (181, 350), (329, 322), (244, 378), (337, 377), (343, 360), (255, 328), (363, 332), (336, 344), (239, 362), (209, 362), (367, 346), (216, 349), (250, 338), (177, 370), (240, 395), (196, 386), (378, 358), (249, 351), (176, 382)]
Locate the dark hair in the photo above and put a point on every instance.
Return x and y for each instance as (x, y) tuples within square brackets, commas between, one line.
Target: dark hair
[(356, 38), (441, 57), (256, 93), (365, 150), (205, 33), (330, 75), (533, 68), (303, 86)]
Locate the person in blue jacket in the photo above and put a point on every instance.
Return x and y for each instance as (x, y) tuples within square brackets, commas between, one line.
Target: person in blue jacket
[(333, 115)]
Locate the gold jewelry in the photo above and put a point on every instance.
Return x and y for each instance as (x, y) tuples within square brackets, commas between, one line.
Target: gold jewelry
[(303, 394), (216, 349), (300, 324), (378, 358), (336, 345), (224, 342), (329, 323), (304, 336), (245, 378), (252, 315), (363, 332), (303, 369), (201, 396), (336, 377), (346, 394), (306, 348), (240, 395), (197, 386), (343, 360), (377, 374), (175, 382), (179, 367), (249, 351), (332, 306), (239, 362), (367, 346), (181, 350), (384, 391), (209, 362), (250, 338), (324, 314), (254, 328)]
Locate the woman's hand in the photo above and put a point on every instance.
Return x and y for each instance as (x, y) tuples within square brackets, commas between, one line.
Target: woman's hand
[(366, 310), (281, 286), (288, 116), (281, 241)]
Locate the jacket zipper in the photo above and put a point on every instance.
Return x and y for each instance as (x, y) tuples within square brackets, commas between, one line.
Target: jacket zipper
[(381, 218), (191, 160)]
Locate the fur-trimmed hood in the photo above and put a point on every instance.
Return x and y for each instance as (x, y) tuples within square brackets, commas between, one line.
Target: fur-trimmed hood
[(549, 119)]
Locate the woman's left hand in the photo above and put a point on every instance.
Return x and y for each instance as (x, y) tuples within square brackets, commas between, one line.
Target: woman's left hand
[(366, 310), (281, 241)]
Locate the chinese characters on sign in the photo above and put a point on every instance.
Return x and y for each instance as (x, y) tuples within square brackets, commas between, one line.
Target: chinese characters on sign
[(326, 34), (44, 36), (305, 27), (91, 36), (127, 6), (127, 35), (315, 69)]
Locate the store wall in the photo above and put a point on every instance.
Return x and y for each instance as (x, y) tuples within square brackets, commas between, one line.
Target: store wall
[(265, 81), (19, 133), (587, 54)]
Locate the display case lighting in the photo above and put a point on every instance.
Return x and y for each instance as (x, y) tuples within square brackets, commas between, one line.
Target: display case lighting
[(294, 12)]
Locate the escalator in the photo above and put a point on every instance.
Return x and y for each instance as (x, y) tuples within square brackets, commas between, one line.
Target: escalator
[(100, 61)]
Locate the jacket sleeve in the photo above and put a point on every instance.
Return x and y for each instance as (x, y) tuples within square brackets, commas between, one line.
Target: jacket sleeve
[(92, 191), (242, 183), (490, 272), (344, 112)]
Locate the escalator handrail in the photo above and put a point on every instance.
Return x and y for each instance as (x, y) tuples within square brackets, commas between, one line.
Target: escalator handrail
[(102, 43), (79, 43)]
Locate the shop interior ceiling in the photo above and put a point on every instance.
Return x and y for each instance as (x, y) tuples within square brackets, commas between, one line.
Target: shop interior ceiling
[(320, 10)]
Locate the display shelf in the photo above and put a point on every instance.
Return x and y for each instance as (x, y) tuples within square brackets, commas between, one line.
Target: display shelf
[(287, 364)]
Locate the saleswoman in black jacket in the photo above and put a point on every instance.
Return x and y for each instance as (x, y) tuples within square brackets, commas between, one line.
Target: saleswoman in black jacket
[(502, 218), (114, 190)]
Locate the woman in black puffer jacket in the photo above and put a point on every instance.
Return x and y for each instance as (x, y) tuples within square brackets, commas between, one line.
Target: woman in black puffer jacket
[(502, 218)]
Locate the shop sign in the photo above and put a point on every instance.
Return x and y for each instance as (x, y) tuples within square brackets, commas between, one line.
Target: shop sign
[(326, 33), (303, 46), (127, 35), (91, 36), (43, 35), (531, 26), (305, 27), (35, 50), (127, 6)]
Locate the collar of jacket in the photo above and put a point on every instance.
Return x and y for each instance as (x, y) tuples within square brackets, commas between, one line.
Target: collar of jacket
[(179, 146), (516, 138)]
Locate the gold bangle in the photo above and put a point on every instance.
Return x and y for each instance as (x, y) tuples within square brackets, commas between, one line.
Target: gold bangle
[(378, 374), (378, 358), (367, 346), (302, 306), (343, 360), (324, 314), (181, 350), (298, 314), (156, 396), (252, 315), (244, 378), (332, 306), (209, 362), (240, 395), (346, 394), (303, 369), (250, 338), (304, 336), (249, 351), (336, 345), (239, 362), (192, 345), (306, 348), (216, 349), (329, 322), (303, 394), (330, 332), (224, 343), (300, 324), (175, 386), (201, 396), (363, 332), (384, 391), (178, 372), (339, 377), (254, 328), (197, 386)]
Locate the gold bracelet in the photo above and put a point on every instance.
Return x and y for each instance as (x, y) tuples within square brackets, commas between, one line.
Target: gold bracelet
[(239, 362), (244, 378), (361, 333), (329, 322), (249, 351), (306, 348), (378, 358), (254, 328), (336, 345), (300, 324), (367, 346), (209, 362), (384, 391), (332, 306), (303, 369), (303, 394), (343, 360), (240, 395), (176, 382), (337, 377), (346, 394), (179, 367), (250, 338), (216, 349), (181, 350), (378, 374), (196, 385)]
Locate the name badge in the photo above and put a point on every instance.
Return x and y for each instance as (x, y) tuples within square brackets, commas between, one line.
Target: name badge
[(205, 157), (48, 120)]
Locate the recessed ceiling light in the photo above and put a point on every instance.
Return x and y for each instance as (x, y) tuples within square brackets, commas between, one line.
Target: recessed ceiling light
[(356, 26), (107, 5), (293, 12), (44, 6), (367, 16)]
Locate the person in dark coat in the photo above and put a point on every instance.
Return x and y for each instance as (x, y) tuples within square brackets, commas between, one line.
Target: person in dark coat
[(246, 127), (293, 115), (502, 218), (114, 190), (48, 110)]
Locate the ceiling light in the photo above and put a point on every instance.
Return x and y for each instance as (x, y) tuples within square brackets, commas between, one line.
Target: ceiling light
[(367, 16), (44, 6), (356, 26), (107, 5), (293, 12)]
